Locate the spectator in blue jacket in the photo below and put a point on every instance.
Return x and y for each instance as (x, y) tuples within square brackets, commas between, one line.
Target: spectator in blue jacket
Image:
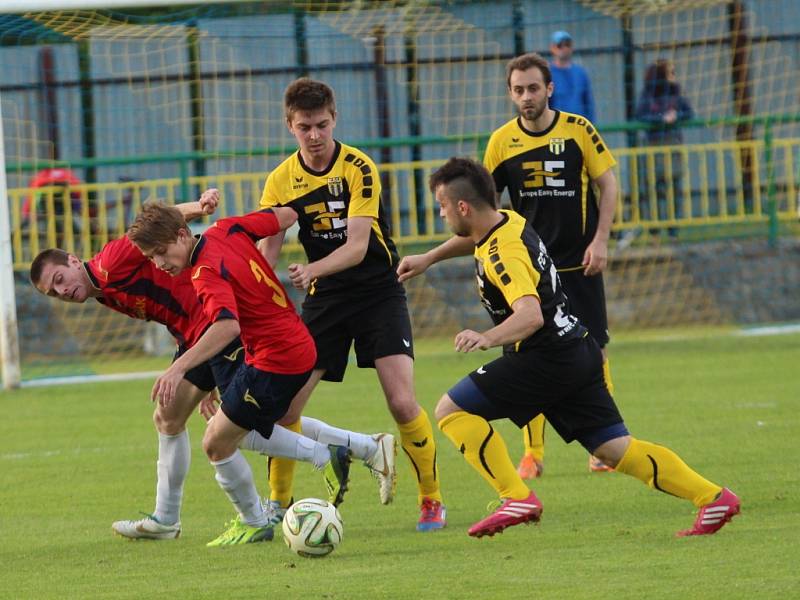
[(664, 108), (572, 91)]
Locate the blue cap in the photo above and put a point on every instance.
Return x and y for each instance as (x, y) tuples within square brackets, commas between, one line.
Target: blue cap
[(560, 36)]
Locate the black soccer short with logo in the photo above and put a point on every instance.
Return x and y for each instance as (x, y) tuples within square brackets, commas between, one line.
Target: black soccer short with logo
[(377, 324)]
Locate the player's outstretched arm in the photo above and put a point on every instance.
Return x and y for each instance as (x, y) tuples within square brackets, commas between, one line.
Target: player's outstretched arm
[(206, 205), (416, 264), (212, 342)]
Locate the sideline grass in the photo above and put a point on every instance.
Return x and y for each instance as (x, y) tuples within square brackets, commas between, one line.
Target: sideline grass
[(74, 459)]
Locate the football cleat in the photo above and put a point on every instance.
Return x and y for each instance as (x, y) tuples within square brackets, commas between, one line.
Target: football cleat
[(337, 473), (598, 466), (239, 532), (274, 511), (433, 515), (381, 466), (148, 529), (530, 468), (713, 516), (510, 512)]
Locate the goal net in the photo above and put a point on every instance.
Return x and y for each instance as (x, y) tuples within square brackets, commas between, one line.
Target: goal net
[(103, 109)]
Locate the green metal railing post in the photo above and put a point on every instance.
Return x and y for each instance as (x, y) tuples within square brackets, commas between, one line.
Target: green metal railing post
[(183, 166), (772, 200)]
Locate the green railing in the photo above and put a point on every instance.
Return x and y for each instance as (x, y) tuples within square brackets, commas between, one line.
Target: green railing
[(705, 184)]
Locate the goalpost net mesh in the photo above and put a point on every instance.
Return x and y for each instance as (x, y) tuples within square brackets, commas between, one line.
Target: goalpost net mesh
[(162, 103)]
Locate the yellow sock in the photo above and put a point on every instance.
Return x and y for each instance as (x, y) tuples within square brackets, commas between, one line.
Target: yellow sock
[(281, 473), (662, 469), (607, 377), (533, 436), (485, 450), (416, 438)]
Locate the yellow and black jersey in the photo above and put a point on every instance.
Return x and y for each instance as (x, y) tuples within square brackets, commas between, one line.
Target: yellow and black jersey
[(324, 200), (548, 175), (511, 261)]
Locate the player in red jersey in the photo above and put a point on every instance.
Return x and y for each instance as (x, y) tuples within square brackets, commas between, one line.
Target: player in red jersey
[(242, 296), (120, 278)]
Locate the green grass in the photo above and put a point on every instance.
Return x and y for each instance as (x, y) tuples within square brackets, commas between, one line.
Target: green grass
[(75, 458)]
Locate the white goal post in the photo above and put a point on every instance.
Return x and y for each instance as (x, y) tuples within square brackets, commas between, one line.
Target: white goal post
[(9, 341)]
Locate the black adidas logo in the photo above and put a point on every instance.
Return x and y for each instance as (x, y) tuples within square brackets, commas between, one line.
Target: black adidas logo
[(421, 444)]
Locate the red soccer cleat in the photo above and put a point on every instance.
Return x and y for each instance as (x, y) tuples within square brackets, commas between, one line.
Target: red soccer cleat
[(713, 516), (433, 515), (511, 512)]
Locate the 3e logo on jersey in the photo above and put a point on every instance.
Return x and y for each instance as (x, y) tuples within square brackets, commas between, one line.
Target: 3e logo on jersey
[(540, 173)]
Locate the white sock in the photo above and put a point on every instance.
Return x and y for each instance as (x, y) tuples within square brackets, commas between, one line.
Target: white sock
[(284, 443), (362, 446), (236, 478), (174, 457)]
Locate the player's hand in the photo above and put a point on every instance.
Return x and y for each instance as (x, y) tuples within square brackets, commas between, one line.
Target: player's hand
[(209, 201), (166, 385), (209, 405), (595, 259), (300, 275), (470, 341), (670, 116), (411, 266)]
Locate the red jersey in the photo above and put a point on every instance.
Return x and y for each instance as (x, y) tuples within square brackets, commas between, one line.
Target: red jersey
[(131, 284), (234, 281)]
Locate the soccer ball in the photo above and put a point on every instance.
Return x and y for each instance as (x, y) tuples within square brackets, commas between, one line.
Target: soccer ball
[(312, 528)]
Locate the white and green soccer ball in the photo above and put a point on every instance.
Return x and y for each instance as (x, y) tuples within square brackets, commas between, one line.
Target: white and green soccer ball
[(312, 528)]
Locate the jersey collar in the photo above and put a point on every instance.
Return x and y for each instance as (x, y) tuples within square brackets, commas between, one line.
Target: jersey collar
[(490, 233), (337, 150), (539, 133), (198, 248), (93, 280)]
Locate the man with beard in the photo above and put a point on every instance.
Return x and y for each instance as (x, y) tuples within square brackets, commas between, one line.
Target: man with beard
[(549, 160)]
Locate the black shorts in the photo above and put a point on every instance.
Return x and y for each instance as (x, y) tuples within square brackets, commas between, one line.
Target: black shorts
[(587, 301), (257, 399), (565, 384), (378, 324), (218, 371)]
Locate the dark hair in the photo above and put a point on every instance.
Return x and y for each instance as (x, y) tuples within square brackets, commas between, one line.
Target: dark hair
[(307, 95), (656, 78), (466, 180), (528, 61), (51, 256), (156, 226)]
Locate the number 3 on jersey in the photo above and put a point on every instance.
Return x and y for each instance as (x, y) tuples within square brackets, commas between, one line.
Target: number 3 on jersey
[(327, 215), (279, 297)]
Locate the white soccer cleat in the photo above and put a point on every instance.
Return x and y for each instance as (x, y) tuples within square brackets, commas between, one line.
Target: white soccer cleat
[(147, 528), (381, 465)]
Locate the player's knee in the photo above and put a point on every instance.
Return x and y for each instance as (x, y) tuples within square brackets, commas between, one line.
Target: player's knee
[(612, 451), (167, 423), (444, 407), (213, 447), (404, 407)]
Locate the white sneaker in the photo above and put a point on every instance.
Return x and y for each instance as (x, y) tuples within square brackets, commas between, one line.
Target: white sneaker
[(275, 512), (381, 465), (147, 528)]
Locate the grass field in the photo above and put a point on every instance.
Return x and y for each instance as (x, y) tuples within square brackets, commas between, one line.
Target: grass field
[(75, 458)]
